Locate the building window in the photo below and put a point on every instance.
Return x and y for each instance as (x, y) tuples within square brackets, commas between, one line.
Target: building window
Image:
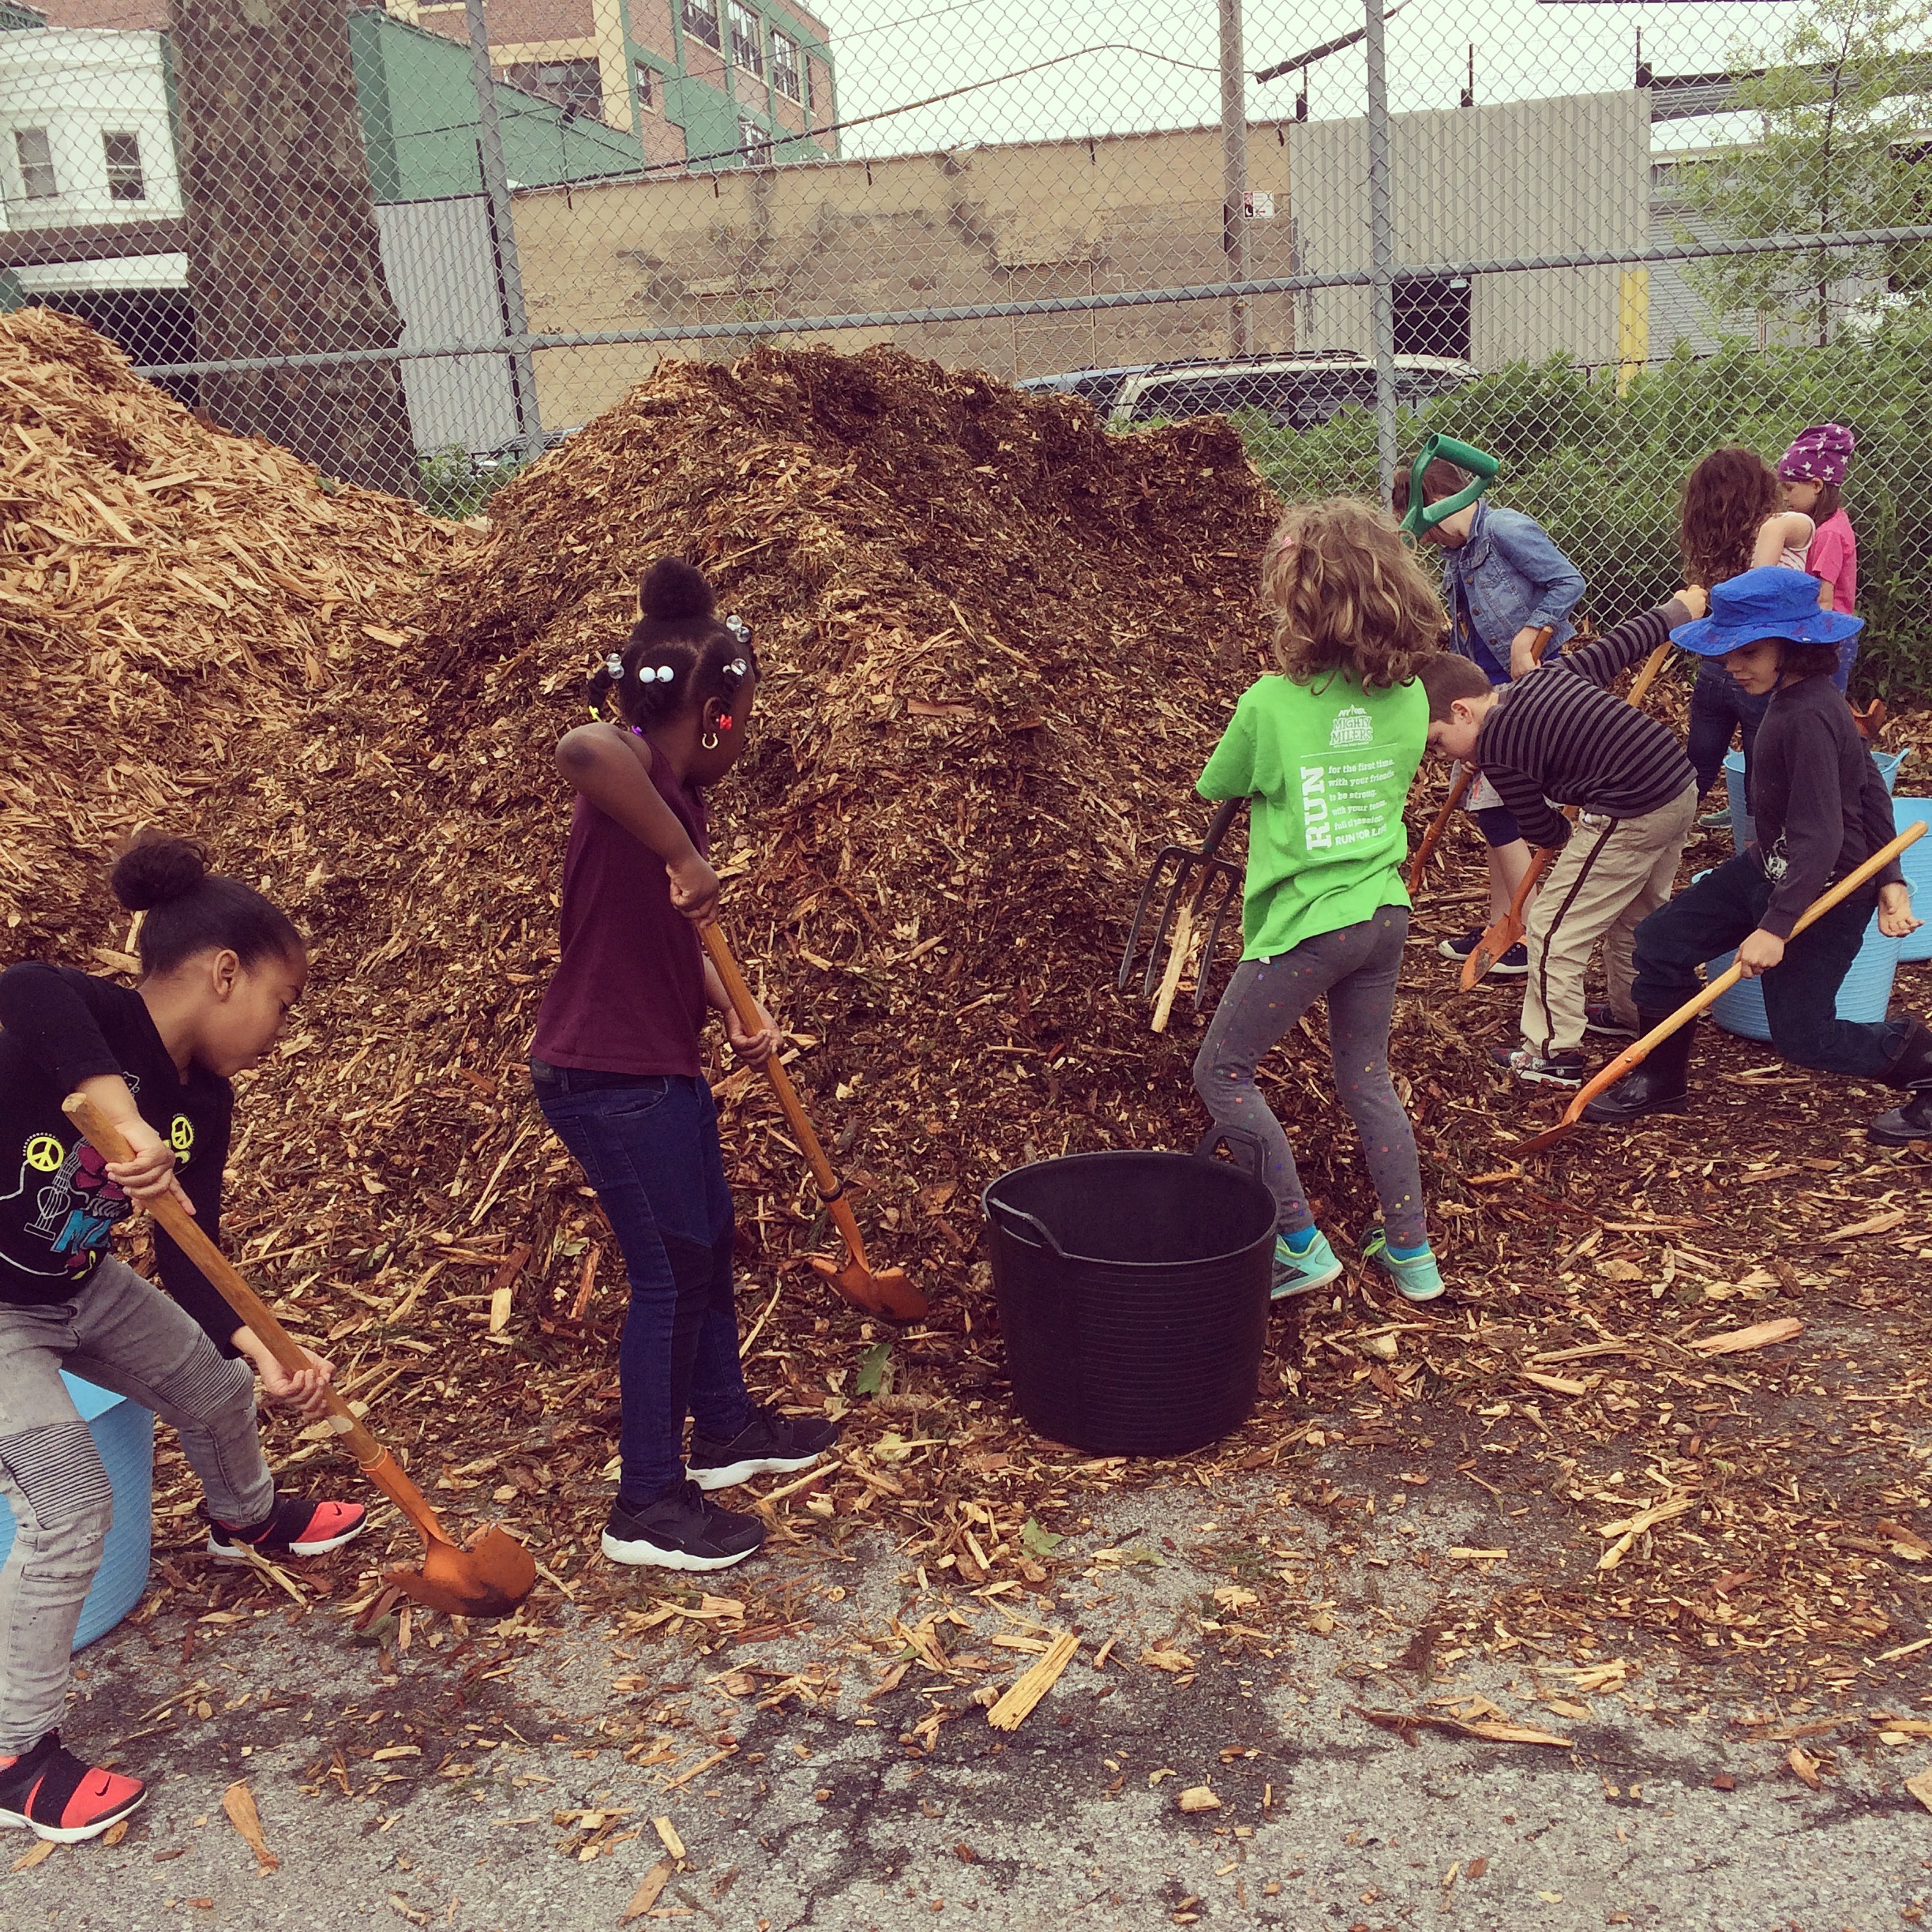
[(756, 144), (701, 22), (646, 85), (784, 65), (36, 155), (124, 176), (748, 33), (577, 86)]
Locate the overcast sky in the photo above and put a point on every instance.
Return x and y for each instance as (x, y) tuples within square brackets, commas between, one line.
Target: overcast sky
[(892, 51)]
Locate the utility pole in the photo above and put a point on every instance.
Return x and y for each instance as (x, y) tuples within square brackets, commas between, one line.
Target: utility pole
[(1381, 251), (503, 229), (1234, 217)]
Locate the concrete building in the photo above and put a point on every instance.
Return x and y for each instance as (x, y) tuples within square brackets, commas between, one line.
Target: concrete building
[(1034, 220)]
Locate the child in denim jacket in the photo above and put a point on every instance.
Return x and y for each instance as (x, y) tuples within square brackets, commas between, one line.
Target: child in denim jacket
[(1503, 580)]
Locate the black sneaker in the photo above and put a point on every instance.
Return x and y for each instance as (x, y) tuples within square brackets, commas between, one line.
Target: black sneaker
[(1603, 1018), (1511, 965), (683, 1529), (292, 1529), (769, 1444), (1514, 964), (1461, 946)]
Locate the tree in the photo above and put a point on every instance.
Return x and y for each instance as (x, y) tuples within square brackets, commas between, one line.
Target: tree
[(281, 224), (1842, 113)]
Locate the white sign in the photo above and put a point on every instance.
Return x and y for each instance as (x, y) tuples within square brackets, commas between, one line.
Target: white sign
[(1259, 204)]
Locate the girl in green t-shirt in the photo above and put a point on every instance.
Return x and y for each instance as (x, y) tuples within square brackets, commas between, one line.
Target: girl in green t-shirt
[(1325, 752)]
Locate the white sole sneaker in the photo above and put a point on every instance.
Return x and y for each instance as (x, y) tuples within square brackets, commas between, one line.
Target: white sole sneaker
[(728, 1475), (641, 1553), (71, 1834), (236, 1554)]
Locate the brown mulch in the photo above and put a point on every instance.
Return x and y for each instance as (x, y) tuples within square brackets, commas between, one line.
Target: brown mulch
[(999, 644)]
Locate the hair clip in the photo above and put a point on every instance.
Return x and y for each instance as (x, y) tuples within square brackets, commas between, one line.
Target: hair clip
[(724, 721), (613, 667), (738, 628), (736, 669), (663, 673)]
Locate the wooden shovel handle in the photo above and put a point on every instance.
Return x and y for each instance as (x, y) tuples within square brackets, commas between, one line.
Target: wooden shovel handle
[(831, 1189), (1638, 1050), (1499, 938), (1648, 676), (375, 1460)]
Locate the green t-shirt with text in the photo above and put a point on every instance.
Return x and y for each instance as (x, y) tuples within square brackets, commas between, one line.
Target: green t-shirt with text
[(1327, 766)]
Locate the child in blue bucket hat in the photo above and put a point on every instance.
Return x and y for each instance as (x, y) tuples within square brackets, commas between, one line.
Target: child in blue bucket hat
[(1821, 809)]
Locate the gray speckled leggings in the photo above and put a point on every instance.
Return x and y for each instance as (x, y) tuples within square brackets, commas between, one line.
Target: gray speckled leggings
[(1357, 968)]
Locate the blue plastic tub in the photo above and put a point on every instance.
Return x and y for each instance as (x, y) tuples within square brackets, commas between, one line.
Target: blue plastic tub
[(1915, 862), (123, 1432), (1742, 831)]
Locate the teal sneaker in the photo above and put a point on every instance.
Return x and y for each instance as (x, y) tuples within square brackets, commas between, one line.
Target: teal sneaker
[(1302, 1262), (1416, 1277)]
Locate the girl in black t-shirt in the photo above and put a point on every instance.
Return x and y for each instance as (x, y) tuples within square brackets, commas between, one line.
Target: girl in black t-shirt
[(221, 968)]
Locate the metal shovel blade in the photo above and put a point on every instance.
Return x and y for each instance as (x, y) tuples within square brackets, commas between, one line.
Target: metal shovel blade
[(487, 1578)]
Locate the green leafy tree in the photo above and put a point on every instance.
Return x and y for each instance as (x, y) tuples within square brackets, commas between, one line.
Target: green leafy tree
[(1842, 113)]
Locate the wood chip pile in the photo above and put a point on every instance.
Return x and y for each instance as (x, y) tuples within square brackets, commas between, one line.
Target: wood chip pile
[(998, 645), (174, 601)]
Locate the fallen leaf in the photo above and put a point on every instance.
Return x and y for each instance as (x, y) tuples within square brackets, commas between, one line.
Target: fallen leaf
[(1920, 1787), (1759, 1335), (1804, 1768), (1198, 1798), (114, 1832), (1167, 1659), (1041, 1543), (396, 1750), (1723, 1782), (646, 1895), (1476, 1868), (40, 1854), (238, 1801)]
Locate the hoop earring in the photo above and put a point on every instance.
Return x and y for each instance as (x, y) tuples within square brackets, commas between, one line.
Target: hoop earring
[(709, 741)]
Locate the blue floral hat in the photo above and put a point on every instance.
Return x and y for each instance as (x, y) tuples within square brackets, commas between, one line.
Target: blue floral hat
[(1770, 602)]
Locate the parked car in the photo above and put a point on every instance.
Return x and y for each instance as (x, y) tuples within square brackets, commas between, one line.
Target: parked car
[(1294, 391)]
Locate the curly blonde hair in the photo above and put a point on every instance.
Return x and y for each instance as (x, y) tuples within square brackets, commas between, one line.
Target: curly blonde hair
[(1348, 595)]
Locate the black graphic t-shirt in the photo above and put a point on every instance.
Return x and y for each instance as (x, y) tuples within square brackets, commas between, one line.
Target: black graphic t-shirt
[(57, 1207)]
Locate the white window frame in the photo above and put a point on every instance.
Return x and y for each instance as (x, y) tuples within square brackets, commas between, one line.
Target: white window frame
[(699, 15), (647, 80), (40, 165), (788, 65), (124, 173), (755, 141), (748, 46)]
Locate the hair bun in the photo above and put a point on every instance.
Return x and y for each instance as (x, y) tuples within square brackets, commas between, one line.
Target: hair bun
[(155, 868), (672, 589)]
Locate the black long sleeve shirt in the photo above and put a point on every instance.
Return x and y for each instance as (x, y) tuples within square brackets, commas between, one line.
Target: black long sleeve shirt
[(1819, 805), (57, 1207), (1557, 734)]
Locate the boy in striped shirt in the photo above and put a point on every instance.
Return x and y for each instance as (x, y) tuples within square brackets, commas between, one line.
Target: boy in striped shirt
[(1558, 737)]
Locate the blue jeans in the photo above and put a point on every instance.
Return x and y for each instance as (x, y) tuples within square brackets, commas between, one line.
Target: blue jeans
[(1711, 916), (1719, 706), (649, 1145)]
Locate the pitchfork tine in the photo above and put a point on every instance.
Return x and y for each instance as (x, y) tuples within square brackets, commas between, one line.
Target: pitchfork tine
[(1140, 912), (1183, 871), (1230, 895)]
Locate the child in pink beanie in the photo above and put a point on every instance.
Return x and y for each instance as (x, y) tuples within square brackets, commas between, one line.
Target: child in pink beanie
[(1813, 472)]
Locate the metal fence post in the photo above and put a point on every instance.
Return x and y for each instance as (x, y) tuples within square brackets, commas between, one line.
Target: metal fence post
[(1234, 217), (1381, 251), (496, 187)]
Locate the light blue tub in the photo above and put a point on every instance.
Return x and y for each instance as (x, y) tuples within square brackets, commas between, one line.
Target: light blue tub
[(1915, 862), (123, 1432)]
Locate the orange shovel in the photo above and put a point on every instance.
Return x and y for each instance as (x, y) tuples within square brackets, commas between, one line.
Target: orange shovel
[(1499, 938), (488, 1578), (878, 1291)]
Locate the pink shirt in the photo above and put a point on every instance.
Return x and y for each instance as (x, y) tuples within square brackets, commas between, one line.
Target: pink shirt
[(1833, 559)]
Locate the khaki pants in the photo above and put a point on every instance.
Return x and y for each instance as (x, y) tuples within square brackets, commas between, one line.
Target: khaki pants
[(1610, 877)]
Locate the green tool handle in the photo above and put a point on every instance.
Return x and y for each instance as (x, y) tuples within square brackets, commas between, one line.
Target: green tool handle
[(1422, 515)]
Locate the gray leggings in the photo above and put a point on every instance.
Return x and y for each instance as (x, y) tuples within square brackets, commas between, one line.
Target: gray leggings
[(1357, 968), (123, 1333)]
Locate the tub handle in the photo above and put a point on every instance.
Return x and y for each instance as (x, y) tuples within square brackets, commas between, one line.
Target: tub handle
[(1249, 1154), (1032, 1220)]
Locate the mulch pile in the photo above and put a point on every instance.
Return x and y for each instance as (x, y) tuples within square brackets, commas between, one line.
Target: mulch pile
[(998, 645)]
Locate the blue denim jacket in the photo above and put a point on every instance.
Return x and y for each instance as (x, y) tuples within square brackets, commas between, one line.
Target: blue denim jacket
[(1511, 576)]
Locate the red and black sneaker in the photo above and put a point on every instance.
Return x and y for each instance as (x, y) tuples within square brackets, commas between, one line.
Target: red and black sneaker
[(292, 1529), (55, 1795)]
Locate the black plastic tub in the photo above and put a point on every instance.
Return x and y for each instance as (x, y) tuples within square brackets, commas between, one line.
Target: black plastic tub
[(1133, 1295)]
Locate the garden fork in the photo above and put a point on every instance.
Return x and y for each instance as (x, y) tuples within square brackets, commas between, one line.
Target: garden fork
[(1198, 885)]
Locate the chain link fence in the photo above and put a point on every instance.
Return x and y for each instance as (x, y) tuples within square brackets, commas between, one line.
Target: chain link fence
[(417, 243)]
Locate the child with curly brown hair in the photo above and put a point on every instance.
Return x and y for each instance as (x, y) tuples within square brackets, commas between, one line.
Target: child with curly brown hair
[(1324, 750), (1733, 518)]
